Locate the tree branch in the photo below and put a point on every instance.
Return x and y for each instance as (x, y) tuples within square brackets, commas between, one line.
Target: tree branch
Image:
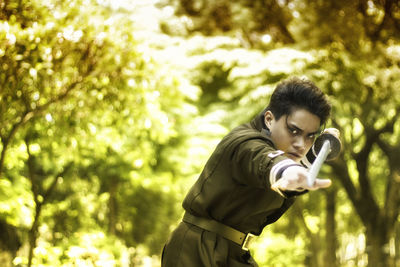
[(392, 191), (26, 117), (341, 171), (53, 184)]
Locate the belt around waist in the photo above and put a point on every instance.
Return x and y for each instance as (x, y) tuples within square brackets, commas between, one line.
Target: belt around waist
[(223, 230)]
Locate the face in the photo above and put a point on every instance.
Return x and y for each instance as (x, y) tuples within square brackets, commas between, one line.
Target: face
[(294, 133)]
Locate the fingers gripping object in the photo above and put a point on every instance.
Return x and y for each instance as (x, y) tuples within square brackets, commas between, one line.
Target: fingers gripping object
[(327, 147)]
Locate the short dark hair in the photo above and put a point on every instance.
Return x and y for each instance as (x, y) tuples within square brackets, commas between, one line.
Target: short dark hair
[(296, 93)]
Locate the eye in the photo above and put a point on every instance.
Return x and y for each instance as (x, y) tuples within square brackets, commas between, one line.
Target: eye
[(312, 136), (293, 131)]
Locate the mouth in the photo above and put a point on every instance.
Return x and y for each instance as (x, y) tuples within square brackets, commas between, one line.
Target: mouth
[(294, 155)]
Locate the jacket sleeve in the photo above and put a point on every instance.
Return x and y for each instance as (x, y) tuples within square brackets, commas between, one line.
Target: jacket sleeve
[(255, 161)]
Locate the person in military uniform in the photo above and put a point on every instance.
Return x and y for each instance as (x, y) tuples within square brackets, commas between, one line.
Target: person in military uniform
[(251, 179)]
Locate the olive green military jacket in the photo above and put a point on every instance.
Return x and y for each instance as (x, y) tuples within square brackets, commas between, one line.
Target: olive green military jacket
[(234, 187)]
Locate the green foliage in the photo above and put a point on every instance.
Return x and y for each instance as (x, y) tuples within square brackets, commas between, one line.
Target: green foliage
[(273, 249), (217, 17), (263, 24), (85, 120), (103, 130), (366, 111), (358, 87)]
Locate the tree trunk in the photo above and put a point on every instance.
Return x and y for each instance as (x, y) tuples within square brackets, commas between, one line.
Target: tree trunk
[(32, 235), (330, 236), (377, 242), (397, 246), (10, 243), (38, 191)]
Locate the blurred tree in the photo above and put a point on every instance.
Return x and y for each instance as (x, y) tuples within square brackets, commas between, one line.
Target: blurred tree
[(312, 23), (75, 88), (331, 234), (357, 56), (9, 241), (367, 168), (251, 20), (357, 25), (81, 107), (40, 175)]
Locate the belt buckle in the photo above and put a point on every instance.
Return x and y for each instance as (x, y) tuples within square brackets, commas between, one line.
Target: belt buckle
[(249, 237)]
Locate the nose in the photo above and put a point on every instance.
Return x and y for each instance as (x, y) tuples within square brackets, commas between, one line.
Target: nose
[(299, 144)]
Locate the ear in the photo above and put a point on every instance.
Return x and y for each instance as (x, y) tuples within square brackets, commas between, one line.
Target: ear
[(268, 118)]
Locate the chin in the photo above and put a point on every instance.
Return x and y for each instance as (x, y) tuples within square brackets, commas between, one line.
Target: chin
[(296, 159)]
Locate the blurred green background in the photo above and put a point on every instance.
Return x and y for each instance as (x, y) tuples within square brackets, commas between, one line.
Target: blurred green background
[(109, 109)]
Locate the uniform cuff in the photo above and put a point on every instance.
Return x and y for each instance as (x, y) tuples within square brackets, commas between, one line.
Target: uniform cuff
[(277, 170)]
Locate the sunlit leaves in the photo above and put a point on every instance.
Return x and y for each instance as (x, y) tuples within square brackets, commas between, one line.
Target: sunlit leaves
[(76, 91), (82, 85)]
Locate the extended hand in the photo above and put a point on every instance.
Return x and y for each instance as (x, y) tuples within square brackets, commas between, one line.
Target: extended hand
[(294, 178)]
